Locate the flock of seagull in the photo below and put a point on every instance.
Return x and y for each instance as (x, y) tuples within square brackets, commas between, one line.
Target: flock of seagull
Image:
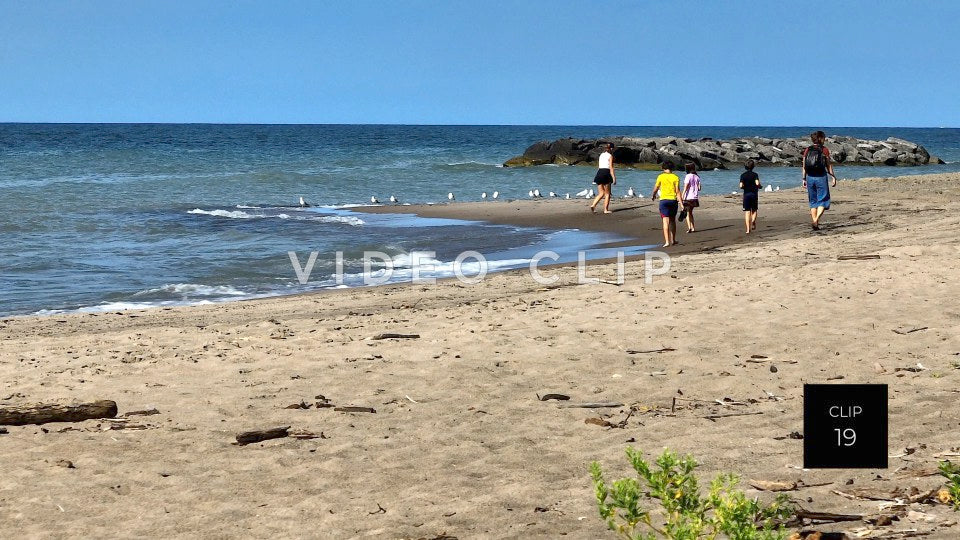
[(533, 194)]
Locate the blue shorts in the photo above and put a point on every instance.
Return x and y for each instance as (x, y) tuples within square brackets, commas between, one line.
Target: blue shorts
[(818, 191), (668, 208), (751, 200)]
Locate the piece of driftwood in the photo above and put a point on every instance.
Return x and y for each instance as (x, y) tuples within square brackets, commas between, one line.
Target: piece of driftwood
[(857, 257), (146, 412), (250, 437), (600, 405), (355, 409), (766, 485), (904, 330), (651, 351), (558, 397), (45, 413), (825, 516), (396, 336), (725, 415), (913, 495)]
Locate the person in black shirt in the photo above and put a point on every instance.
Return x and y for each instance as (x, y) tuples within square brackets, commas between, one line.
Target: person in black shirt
[(750, 184)]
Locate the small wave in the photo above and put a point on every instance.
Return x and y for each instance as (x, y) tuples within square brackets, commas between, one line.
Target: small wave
[(240, 214), (234, 214), (349, 220), (468, 166), (193, 289)]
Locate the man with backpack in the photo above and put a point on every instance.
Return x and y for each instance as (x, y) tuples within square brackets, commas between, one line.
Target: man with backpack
[(816, 168)]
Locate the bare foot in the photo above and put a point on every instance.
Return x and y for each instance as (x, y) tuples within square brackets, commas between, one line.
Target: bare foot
[(607, 212), (666, 245), (593, 209)]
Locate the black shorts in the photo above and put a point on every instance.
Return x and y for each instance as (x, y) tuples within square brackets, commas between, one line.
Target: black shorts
[(750, 201), (603, 177)]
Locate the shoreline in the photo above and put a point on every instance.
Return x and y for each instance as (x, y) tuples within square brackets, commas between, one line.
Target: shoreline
[(719, 223), (635, 219), (459, 443)]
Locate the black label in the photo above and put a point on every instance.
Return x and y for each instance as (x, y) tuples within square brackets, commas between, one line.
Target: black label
[(845, 426)]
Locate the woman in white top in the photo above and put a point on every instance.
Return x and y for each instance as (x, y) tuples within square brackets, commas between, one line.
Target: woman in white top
[(604, 179), (691, 194)]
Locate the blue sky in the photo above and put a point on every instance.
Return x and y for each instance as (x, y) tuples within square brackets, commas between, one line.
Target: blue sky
[(877, 63)]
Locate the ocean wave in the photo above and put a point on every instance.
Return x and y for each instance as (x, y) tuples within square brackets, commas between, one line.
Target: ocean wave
[(468, 166), (240, 214), (233, 214), (192, 289)]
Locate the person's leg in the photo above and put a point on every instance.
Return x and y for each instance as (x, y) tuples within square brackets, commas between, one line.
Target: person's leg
[(666, 231), (817, 214), (673, 230), (812, 198), (753, 220), (691, 225), (607, 194), (746, 220), (593, 205)]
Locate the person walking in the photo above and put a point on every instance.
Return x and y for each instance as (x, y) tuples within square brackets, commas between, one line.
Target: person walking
[(816, 168), (691, 195), (668, 186), (604, 179), (750, 184)]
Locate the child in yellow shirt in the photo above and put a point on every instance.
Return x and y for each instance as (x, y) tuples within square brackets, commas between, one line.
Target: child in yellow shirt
[(668, 185)]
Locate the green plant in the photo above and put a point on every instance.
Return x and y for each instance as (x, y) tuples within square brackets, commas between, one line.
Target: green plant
[(684, 513), (952, 473)]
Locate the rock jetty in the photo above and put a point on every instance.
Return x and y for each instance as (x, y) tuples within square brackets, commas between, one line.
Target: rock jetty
[(708, 153)]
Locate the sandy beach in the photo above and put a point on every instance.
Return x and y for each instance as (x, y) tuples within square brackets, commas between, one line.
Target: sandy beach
[(459, 443)]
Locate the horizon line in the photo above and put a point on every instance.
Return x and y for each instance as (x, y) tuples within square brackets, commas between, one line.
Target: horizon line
[(398, 124)]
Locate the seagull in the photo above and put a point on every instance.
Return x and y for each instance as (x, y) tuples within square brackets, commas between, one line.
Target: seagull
[(536, 193), (374, 200), (531, 194), (394, 199), (552, 194), (631, 193), (583, 193), (496, 194), (591, 193), (568, 196), (450, 196), (778, 188), (768, 189), (303, 203), (483, 195)]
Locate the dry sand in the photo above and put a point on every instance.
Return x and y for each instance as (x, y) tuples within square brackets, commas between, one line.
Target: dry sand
[(459, 443)]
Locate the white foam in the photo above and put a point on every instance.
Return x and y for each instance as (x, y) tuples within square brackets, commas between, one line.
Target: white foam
[(239, 214), (193, 289), (234, 214), (349, 220)]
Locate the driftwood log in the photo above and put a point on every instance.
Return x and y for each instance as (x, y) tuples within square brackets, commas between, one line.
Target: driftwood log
[(390, 335), (17, 415), (250, 437)]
